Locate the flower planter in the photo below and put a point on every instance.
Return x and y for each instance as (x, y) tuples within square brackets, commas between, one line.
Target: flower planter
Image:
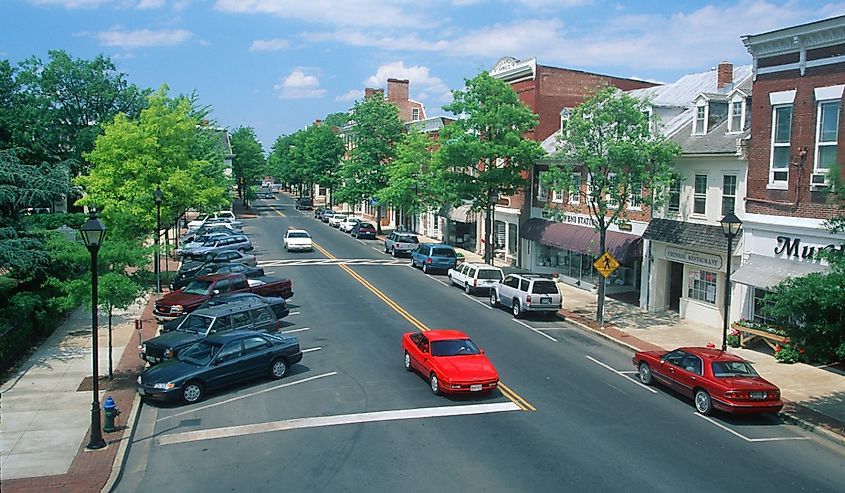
[(748, 334)]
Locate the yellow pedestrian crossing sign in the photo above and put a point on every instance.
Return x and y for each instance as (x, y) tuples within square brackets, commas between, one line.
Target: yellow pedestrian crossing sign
[(606, 264)]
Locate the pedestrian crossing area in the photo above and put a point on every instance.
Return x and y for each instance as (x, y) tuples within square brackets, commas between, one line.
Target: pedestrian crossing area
[(332, 261)]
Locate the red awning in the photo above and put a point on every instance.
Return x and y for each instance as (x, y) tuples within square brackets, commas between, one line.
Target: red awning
[(626, 248)]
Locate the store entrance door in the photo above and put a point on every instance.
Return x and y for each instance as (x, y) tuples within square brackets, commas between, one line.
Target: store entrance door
[(676, 285)]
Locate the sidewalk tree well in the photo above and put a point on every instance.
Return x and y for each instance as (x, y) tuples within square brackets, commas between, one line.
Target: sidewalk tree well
[(375, 132), (411, 185), (608, 142), (165, 147), (484, 154), (248, 163)]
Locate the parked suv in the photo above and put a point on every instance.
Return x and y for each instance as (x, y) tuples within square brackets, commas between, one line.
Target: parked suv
[(472, 276), (432, 256), (527, 293), (278, 305), (304, 203), (249, 315), (397, 243)]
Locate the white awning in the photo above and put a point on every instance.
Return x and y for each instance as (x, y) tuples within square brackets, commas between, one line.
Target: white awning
[(767, 272), (462, 214)]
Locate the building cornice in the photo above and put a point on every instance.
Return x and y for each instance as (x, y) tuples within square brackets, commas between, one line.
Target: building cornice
[(511, 70), (796, 39)]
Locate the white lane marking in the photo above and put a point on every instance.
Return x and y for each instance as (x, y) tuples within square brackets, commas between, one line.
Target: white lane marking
[(547, 336), (342, 419), (629, 372), (747, 439), (361, 241), (295, 330), (293, 313), (653, 391), (485, 305), (329, 261), (378, 250), (312, 349), (269, 272), (215, 404)]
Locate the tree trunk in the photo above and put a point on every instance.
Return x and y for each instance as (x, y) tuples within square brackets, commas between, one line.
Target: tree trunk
[(602, 280), (111, 373), (488, 234), (378, 219)]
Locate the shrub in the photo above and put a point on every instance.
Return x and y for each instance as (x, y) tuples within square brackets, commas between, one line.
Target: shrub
[(733, 340), (788, 354)]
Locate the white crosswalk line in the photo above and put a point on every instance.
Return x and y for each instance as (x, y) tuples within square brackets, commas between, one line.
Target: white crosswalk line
[(330, 262)]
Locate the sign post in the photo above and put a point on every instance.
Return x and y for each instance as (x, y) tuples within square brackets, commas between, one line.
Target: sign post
[(606, 264)]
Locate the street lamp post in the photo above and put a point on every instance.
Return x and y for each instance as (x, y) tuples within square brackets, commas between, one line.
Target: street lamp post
[(93, 232), (158, 197), (730, 226)]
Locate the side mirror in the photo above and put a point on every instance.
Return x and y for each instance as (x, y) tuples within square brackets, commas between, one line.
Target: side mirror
[(482, 351)]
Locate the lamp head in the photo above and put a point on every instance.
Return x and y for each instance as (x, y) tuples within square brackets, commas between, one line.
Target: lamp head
[(158, 196), (93, 231), (730, 225)]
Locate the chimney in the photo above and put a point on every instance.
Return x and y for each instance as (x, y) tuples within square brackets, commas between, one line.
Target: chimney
[(725, 74), (397, 89)]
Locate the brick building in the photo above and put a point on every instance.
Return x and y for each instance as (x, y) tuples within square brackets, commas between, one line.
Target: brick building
[(796, 137), (547, 91)]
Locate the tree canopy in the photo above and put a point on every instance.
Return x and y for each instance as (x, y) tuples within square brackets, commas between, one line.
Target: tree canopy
[(411, 184)]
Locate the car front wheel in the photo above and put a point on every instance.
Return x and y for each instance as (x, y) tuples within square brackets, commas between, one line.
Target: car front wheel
[(494, 300), (644, 372), (192, 392), (516, 309), (279, 368), (435, 384), (703, 403), (407, 361)]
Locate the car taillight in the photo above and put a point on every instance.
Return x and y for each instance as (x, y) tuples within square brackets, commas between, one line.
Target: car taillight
[(475, 283), (737, 394), (528, 299), (428, 260)]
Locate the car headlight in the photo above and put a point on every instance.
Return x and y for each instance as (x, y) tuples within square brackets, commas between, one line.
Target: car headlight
[(139, 380), (164, 386), (177, 309), (144, 348)]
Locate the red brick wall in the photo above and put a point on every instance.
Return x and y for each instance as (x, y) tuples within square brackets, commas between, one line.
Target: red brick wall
[(798, 200)]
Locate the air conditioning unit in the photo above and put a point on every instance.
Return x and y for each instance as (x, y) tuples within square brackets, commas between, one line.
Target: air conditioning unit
[(819, 180)]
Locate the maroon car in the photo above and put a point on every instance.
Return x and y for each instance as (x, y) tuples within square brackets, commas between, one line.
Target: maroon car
[(714, 379)]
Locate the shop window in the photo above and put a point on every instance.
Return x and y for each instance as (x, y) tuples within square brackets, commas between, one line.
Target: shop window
[(728, 194), (700, 198), (759, 306), (702, 286), (781, 136), (513, 238)]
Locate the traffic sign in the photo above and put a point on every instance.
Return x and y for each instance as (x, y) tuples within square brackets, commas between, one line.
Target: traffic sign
[(606, 264)]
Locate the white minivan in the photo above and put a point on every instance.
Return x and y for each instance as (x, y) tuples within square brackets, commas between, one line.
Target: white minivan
[(472, 277)]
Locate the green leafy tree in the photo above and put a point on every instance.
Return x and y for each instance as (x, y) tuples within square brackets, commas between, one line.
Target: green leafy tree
[(285, 162), (322, 153), (376, 131), (159, 149), (410, 177), (609, 138), (249, 164), (484, 154), (117, 290), (336, 119)]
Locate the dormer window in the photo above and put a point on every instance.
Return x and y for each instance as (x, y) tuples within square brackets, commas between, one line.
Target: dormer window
[(700, 124)]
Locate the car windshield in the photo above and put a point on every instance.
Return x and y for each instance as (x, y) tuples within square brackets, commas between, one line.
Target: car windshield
[(443, 252), (299, 234), (365, 226), (733, 369), (196, 323), (544, 287), (197, 287), (454, 347), (199, 354), (407, 239), (490, 274)]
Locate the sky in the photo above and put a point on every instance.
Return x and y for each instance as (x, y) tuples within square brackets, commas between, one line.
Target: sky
[(278, 65)]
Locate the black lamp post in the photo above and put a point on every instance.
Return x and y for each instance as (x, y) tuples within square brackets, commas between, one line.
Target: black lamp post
[(93, 232), (730, 226), (158, 197)]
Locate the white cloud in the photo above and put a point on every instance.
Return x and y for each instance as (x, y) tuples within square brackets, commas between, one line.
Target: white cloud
[(347, 13), (122, 56), (269, 44), (350, 95), (150, 4), (70, 4), (143, 37), (420, 79), (299, 85), (385, 41)]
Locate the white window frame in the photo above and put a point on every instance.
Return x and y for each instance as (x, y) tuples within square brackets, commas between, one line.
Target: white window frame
[(780, 184), (731, 128), (819, 142), (609, 198), (726, 195), (635, 197), (415, 114), (676, 180), (575, 195), (696, 194), (565, 113), (701, 107)]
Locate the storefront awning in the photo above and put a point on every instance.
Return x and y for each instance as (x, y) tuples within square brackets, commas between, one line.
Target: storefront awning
[(460, 214), (767, 272), (626, 248)]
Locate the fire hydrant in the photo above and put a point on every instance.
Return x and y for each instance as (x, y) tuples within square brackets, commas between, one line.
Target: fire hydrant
[(112, 412)]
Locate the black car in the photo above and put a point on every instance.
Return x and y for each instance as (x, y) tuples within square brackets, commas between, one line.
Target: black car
[(364, 230), (217, 361), (278, 305), (183, 278), (304, 203)]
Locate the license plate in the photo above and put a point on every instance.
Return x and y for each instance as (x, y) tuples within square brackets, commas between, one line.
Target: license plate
[(758, 395), (141, 391), (545, 301), (475, 387)]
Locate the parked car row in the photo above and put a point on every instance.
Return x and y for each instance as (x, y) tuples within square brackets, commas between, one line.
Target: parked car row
[(213, 234), (219, 324), (356, 226)]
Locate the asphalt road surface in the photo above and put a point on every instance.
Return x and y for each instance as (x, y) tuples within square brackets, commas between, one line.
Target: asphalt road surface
[(570, 416)]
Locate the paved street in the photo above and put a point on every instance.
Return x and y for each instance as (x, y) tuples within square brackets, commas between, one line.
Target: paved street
[(349, 418)]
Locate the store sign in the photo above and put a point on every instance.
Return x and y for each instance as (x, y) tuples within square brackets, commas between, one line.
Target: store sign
[(580, 220), (693, 258), (791, 247)]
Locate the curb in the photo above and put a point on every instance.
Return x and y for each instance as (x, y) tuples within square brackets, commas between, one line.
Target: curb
[(125, 443), (605, 335)]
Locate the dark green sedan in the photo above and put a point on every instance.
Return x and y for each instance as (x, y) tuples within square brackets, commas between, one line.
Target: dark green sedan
[(217, 361)]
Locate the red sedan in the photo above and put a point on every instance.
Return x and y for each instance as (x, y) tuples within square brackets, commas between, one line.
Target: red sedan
[(713, 378), (450, 360)]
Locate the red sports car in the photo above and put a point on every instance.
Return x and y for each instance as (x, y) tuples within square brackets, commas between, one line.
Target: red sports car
[(713, 378), (450, 360)]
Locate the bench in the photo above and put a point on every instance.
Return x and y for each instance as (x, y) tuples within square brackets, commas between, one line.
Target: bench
[(747, 334)]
